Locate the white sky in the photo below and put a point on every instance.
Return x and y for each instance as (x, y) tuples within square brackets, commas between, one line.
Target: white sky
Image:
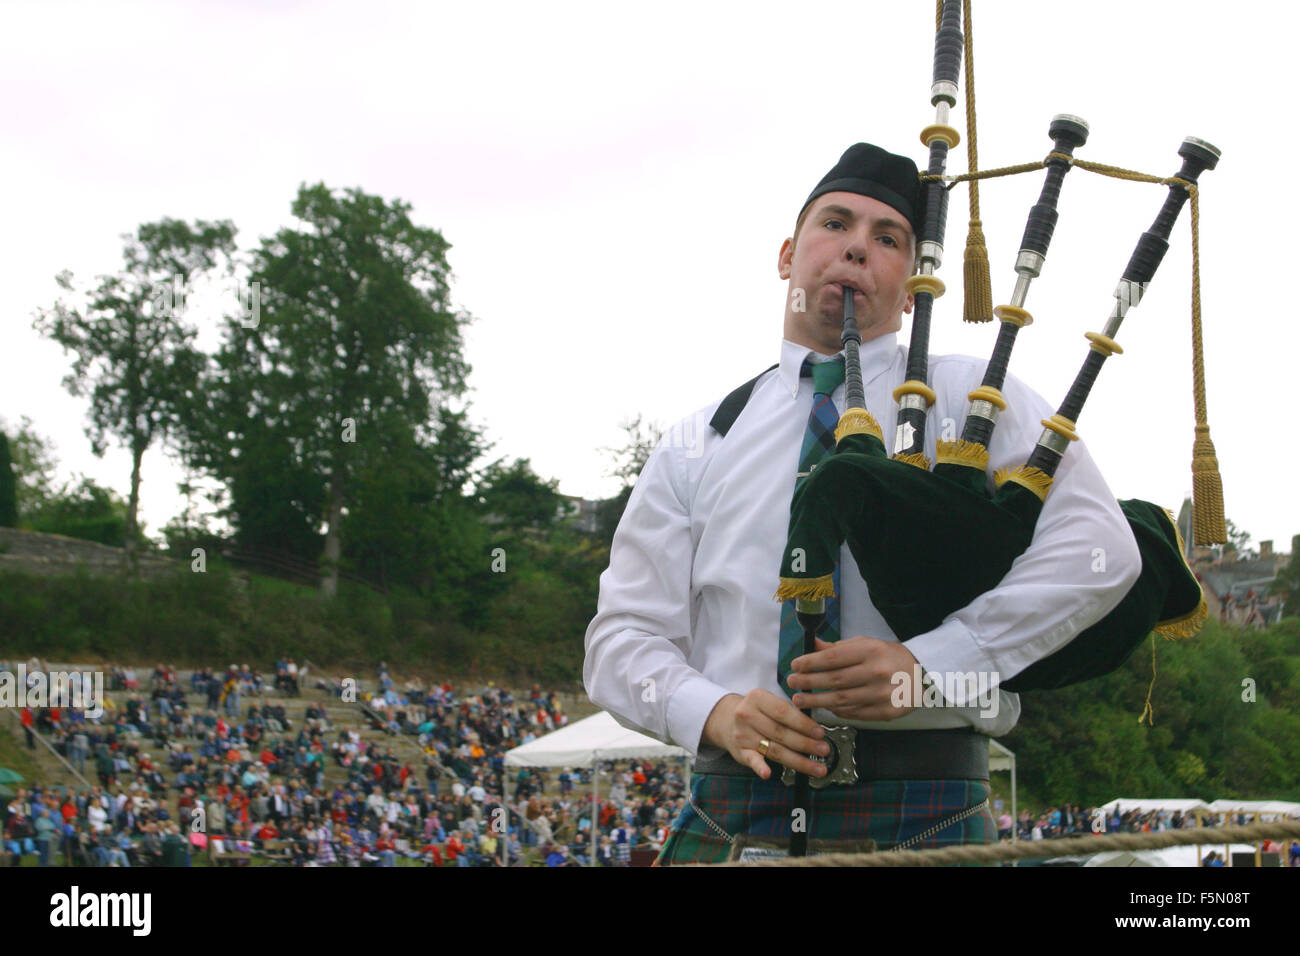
[(616, 182)]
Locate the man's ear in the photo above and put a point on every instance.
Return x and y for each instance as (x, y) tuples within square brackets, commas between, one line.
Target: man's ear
[(784, 260)]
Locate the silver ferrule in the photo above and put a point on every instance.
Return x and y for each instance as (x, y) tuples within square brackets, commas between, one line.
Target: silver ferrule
[(986, 410), (1021, 291), (912, 400), (1029, 263), (931, 256), (1054, 441), (943, 95), (1127, 294)]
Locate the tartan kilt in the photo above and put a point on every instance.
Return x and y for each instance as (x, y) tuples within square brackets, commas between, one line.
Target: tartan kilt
[(887, 811)]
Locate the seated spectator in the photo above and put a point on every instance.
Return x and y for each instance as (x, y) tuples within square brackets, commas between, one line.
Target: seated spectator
[(150, 852), (19, 837), (267, 831)]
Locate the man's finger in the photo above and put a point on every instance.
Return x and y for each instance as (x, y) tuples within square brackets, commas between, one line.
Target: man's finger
[(783, 713), (792, 741), (757, 763), (795, 760)]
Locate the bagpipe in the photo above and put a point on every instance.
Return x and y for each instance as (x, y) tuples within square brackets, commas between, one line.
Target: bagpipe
[(929, 540)]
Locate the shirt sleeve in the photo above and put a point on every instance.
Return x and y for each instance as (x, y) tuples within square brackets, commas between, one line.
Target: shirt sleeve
[(638, 643), (1081, 562)]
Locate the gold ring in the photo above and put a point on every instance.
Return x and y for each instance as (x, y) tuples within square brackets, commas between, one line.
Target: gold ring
[(763, 746)]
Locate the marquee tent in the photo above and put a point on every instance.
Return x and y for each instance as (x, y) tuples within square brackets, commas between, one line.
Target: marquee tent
[(578, 744), (582, 744)]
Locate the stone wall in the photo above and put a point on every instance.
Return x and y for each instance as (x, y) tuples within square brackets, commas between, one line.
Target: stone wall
[(35, 553)]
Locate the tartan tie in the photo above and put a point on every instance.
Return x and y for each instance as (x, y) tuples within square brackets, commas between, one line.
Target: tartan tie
[(818, 441)]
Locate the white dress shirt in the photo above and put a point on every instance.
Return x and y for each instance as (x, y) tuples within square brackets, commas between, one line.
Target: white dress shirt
[(686, 612)]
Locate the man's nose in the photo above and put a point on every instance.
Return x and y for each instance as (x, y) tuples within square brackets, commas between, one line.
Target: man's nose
[(856, 251)]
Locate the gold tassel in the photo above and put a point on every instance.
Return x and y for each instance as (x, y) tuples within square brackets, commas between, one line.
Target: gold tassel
[(810, 589), (916, 459), (960, 452), (979, 288), (1208, 526)]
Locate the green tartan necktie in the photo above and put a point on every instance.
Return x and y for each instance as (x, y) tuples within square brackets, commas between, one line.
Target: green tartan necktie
[(818, 442)]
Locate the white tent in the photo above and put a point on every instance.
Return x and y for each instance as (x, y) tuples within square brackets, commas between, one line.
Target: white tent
[(577, 745), (1165, 856), (1185, 855), (1147, 804), (583, 744), (1263, 808)]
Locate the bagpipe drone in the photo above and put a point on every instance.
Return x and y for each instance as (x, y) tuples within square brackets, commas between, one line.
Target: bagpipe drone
[(927, 540)]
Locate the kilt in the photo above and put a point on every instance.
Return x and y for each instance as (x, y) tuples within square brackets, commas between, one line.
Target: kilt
[(887, 811)]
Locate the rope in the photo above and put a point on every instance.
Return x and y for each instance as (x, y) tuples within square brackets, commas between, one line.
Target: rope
[(1044, 849), (1208, 524), (978, 297), (1148, 712)]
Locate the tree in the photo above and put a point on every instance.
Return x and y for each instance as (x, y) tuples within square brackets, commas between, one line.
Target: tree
[(355, 347), (8, 487), (1238, 540), (84, 509), (629, 460), (1287, 582), (34, 467), (516, 498), (134, 355)]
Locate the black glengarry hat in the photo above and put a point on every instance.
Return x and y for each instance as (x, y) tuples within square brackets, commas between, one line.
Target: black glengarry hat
[(871, 171)]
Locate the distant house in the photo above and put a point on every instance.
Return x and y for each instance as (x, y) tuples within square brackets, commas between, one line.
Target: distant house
[(580, 512), (1236, 584)]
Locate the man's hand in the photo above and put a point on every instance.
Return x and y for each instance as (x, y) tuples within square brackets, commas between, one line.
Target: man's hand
[(856, 676), (738, 724)]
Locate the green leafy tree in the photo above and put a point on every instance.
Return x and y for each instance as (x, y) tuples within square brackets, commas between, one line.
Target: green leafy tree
[(84, 509), (8, 487), (628, 460), (34, 466), (133, 355), (347, 373), (515, 497), (1287, 582), (1239, 541)]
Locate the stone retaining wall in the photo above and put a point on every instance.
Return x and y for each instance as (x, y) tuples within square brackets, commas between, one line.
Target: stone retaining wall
[(36, 553)]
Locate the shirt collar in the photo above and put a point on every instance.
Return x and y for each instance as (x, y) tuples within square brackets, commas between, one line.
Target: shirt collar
[(875, 357)]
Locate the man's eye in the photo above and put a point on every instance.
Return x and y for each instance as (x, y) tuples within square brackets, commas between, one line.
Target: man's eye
[(889, 240), (834, 222)]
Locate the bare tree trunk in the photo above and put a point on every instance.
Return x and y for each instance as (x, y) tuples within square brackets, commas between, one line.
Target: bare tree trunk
[(132, 510), (329, 583)]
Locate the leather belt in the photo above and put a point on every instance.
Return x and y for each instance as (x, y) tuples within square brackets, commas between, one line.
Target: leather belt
[(957, 754)]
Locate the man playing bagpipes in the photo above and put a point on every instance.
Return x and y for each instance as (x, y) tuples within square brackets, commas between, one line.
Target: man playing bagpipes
[(688, 646)]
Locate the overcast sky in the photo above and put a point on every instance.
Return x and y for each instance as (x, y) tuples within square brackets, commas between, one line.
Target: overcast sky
[(616, 181)]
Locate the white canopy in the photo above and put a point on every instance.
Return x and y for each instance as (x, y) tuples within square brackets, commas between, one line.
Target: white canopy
[(1000, 758), (1146, 804), (1272, 807), (581, 744), (578, 745), (1165, 856)]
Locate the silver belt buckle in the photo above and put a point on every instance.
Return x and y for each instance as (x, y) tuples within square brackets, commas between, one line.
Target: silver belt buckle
[(840, 763)]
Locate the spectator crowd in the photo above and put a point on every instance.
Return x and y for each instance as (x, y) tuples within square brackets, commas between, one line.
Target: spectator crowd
[(222, 763)]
